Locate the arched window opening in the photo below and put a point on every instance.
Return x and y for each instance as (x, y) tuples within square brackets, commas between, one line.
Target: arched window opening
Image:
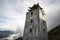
[(30, 30), (31, 13), (43, 22), (44, 29), (31, 21)]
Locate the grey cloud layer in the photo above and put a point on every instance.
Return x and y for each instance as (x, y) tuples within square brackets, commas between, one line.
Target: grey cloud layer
[(14, 11)]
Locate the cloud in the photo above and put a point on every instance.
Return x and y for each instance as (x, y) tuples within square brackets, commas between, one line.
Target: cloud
[(13, 12), (53, 15), (8, 17)]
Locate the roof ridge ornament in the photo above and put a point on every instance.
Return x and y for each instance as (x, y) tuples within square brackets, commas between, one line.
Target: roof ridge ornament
[(38, 3), (35, 6)]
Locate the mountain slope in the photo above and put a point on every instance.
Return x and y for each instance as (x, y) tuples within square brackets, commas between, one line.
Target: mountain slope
[(54, 34), (5, 33)]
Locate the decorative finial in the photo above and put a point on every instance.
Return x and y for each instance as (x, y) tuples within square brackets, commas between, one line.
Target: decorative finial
[(38, 3)]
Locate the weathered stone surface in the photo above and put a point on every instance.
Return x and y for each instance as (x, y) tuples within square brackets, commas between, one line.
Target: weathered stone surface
[(35, 25)]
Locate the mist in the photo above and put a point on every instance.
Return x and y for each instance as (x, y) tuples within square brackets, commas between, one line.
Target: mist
[(13, 13)]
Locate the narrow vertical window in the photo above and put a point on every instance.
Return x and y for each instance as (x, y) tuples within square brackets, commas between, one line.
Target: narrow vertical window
[(43, 22), (30, 30), (31, 20), (44, 29), (44, 25), (31, 13)]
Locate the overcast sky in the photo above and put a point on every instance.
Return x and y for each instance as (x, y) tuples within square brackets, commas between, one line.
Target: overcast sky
[(13, 12)]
